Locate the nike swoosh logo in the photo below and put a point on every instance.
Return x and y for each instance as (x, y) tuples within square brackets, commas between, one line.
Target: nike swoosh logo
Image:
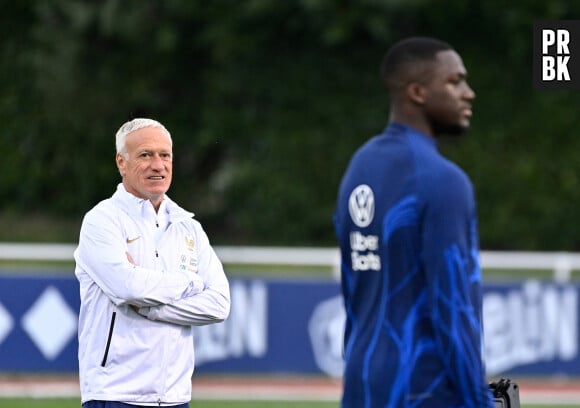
[(130, 241)]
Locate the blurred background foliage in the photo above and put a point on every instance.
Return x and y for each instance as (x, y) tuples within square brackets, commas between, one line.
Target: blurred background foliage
[(266, 101)]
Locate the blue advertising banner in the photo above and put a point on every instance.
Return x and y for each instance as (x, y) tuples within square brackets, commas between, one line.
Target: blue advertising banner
[(531, 328), (274, 326), (278, 326), (38, 323)]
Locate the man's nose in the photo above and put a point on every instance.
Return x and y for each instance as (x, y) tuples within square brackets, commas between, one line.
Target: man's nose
[(157, 162), (469, 93)]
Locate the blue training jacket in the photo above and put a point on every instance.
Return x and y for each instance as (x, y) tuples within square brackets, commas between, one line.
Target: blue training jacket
[(407, 228)]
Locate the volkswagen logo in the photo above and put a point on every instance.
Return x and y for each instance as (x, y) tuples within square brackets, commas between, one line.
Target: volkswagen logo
[(361, 205)]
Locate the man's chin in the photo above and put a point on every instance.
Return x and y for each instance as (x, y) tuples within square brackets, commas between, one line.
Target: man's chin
[(156, 194), (451, 130), (157, 187)]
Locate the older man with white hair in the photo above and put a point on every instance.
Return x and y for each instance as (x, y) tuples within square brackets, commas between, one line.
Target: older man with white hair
[(147, 275)]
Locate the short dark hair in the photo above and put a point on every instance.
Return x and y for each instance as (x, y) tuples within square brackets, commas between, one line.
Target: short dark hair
[(404, 62)]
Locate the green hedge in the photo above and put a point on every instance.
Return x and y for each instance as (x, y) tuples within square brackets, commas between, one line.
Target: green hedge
[(266, 101)]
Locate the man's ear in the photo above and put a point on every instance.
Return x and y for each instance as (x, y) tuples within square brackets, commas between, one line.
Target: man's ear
[(121, 162), (416, 93)]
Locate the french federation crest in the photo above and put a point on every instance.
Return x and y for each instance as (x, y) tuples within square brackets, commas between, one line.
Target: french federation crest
[(189, 242), (361, 205)]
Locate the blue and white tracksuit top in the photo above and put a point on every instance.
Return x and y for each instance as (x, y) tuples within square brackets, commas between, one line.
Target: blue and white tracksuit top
[(135, 322), (407, 228)]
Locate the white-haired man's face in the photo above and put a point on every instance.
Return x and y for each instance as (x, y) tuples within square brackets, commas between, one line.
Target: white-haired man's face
[(148, 166)]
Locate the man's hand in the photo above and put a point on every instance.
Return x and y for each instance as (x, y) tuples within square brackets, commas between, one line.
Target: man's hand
[(133, 307), (130, 258)]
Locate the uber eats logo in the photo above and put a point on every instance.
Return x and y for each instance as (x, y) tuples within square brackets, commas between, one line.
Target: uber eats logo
[(556, 54)]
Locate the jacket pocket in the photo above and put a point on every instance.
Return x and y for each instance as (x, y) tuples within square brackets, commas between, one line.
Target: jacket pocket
[(111, 327)]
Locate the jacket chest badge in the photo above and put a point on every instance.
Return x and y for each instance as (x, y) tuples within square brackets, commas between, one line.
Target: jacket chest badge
[(189, 242), (188, 258)]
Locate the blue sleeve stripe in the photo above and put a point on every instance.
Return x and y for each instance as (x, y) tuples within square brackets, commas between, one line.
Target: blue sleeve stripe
[(402, 214)]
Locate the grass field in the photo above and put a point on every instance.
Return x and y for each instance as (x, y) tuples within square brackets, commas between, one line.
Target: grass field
[(74, 403)]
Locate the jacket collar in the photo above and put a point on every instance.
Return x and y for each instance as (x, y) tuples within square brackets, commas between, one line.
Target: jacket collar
[(394, 129), (140, 207)]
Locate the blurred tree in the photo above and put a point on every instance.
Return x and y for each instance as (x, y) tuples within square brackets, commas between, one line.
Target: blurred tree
[(266, 101)]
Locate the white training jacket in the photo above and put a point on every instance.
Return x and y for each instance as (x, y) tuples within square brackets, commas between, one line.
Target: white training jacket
[(135, 322)]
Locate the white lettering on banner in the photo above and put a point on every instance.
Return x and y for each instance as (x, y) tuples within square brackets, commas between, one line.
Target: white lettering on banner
[(243, 333), (537, 323), (362, 243)]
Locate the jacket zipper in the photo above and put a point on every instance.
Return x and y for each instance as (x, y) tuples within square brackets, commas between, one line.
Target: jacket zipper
[(109, 339)]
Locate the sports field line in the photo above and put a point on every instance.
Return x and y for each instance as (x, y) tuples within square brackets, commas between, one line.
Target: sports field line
[(291, 388)]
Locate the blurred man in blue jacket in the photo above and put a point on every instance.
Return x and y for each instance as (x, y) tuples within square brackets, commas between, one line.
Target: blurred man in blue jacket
[(407, 227)]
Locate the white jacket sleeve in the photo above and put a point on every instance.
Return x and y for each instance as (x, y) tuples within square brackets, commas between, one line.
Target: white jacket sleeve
[(101, 254), (211, 305)]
